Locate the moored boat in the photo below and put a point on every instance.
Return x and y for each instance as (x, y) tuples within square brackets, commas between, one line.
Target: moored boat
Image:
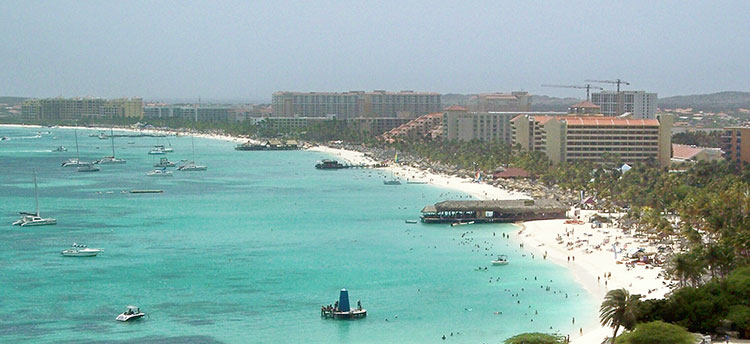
[(501, 260), (78, 250), (60, 149), (392, 182), (34, 219), (130, 313), (87, 167), (159, 172), (164, 162)]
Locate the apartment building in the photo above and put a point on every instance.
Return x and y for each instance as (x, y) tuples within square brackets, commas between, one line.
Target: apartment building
[(500, 102), (735, 148), (461, 124), (586, 138), (77, 108), (198, 113), (424, 127), (640, 103), (352, 104)]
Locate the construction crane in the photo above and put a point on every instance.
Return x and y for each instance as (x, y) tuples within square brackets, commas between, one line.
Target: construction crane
[(616, 81), (588, 88)]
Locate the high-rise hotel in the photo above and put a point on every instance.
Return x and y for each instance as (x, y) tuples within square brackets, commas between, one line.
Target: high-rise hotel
[(403, 104)]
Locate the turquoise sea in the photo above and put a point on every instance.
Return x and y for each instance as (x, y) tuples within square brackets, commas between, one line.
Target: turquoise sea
[(248, 251)]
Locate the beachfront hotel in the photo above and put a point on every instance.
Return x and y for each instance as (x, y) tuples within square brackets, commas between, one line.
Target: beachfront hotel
[(461, 124), (76, 108), (379, 103), (586, 138), (735, 149)]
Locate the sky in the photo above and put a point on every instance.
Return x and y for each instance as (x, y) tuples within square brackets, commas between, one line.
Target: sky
[(246, 50)]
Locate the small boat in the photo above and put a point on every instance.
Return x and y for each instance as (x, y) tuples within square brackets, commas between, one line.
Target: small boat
[(411, 221), (110, 160), (34, 219), (60, 149), (130, 313), (392, 182), (459, 223), (157, 151), (131, 142), (164, 162), (4, 138), (79, 250), (146, 191), (87, 167), (501, 260), (159, 172), (191, 166)]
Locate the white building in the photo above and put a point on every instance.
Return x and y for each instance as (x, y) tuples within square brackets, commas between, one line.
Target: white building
[(640, 103)]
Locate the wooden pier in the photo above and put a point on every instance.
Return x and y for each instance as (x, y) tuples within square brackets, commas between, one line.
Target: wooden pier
[(493, 211), (327, 164)]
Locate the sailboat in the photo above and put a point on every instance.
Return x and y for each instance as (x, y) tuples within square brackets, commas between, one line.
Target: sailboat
[(111, 159), (74, 162), (34, 219), (191, 165)]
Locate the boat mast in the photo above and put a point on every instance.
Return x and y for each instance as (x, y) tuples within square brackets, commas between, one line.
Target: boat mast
[(112, 136), (78, 158), (192, 140), (36, 193)]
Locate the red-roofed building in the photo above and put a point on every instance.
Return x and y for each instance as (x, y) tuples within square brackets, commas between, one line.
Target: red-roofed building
[(422, 127), (511, 172), (587, 138), (684, 153), (584, 108)]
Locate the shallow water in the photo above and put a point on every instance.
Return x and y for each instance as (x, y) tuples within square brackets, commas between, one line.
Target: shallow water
[(249, 250)]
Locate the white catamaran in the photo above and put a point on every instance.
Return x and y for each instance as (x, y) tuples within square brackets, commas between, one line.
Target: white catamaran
[(74, 162), (111, 159), (34, 219), (191, 165)]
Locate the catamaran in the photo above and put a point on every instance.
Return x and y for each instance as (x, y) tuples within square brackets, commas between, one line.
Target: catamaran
[(159, 172), (73, 162), (191, 165), (111, 159), (87, 167), (34, 219)]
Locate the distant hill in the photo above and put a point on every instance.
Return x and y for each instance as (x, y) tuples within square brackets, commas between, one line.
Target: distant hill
[(713, 101), (12, 100)]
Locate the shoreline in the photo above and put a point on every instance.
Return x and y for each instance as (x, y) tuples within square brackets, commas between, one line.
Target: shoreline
[(539, 237)]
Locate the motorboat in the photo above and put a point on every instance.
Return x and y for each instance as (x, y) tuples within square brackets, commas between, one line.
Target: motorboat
[(78, 250), (411, 221), (34, 219), (130, 313), (87, 167), (4, 138), (501, 260), (111, 160), (157, 151), (392, 182), (192, 166), (159, 172), (60, 149), (164, 162)]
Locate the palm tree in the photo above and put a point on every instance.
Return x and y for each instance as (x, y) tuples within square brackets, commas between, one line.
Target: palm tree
[(619, 309)]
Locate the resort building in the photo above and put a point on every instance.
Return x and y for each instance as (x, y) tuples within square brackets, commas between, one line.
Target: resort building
[(461, 124), (372, 126), (576, 138), (640, 103), (500, 102), (379, 103), (424, 127), (692, 153), (735, 149), (77, 108), (197, 113)]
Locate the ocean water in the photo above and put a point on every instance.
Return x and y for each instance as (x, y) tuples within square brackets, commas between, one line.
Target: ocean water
[(249, 250)]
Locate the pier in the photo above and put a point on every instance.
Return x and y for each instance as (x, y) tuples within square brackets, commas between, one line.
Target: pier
[(327, 164), (493, 211)]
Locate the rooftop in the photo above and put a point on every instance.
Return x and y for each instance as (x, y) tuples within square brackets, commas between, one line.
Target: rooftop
[(456, 108)]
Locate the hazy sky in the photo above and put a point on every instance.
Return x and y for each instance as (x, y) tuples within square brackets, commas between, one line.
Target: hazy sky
[(247, 50)]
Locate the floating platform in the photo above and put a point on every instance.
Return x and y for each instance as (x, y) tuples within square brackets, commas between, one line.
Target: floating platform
[(146, 191), (352, 314)]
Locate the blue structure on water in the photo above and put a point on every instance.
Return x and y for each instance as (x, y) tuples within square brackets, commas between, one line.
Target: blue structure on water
[(342, 310)]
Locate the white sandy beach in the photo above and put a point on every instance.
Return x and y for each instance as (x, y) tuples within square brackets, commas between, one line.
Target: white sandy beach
[(538, 236)]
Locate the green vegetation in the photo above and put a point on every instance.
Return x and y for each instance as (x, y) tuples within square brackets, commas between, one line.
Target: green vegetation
[(657, 332), (699, 138), (619, 309), (535, 338)]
